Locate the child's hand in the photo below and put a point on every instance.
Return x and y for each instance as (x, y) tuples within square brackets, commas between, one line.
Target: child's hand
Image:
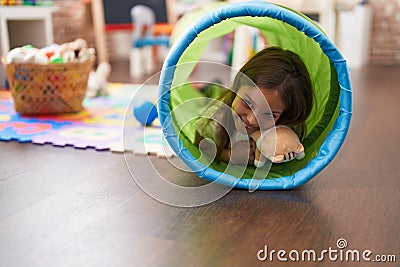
[(243, 152)]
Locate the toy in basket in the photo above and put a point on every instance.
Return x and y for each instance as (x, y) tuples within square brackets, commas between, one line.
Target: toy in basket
[(50, 80)]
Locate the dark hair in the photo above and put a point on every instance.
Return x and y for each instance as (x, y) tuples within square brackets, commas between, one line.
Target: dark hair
[(274, 68)]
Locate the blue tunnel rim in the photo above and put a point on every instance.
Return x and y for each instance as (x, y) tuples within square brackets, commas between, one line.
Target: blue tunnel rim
[(332, 142)]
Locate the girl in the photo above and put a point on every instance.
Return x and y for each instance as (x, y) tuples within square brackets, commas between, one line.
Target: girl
[(274, 75)]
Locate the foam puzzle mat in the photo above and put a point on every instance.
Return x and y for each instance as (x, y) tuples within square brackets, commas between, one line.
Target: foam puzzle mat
[(99, 126)]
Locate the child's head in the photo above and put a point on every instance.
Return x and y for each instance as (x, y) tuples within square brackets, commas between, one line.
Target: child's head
[(285, 84)]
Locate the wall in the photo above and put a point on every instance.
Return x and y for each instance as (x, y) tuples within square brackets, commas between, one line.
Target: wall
[(72, 19), (385, 36)]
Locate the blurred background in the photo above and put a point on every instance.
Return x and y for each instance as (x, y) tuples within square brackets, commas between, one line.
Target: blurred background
[(366, 32)]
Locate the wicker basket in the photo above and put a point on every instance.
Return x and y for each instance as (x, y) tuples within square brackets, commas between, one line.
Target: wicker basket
[(48, 88)]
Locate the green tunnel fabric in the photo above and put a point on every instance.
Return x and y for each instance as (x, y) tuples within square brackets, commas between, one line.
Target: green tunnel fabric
[(277, 33)]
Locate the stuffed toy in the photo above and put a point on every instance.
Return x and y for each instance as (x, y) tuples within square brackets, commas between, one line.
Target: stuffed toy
[(26, 54), (287, 145), (72, 52), (76, 51), (98, 80)]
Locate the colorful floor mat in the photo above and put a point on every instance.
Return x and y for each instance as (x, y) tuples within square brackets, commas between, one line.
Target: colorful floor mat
[(100, 125)]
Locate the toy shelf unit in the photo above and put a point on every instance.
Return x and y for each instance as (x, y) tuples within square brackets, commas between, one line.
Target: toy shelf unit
[(22, 25)]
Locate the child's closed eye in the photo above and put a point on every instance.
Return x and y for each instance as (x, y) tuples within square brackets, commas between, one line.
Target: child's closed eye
[(247, 104), (269, 115)]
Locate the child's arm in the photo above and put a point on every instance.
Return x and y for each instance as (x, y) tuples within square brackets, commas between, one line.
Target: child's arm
[(242, 150)]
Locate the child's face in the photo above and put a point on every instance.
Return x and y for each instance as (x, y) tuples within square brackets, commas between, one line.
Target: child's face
[(256, 109)]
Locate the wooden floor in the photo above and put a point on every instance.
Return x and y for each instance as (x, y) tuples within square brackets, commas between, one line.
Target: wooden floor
[(71, 207)]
